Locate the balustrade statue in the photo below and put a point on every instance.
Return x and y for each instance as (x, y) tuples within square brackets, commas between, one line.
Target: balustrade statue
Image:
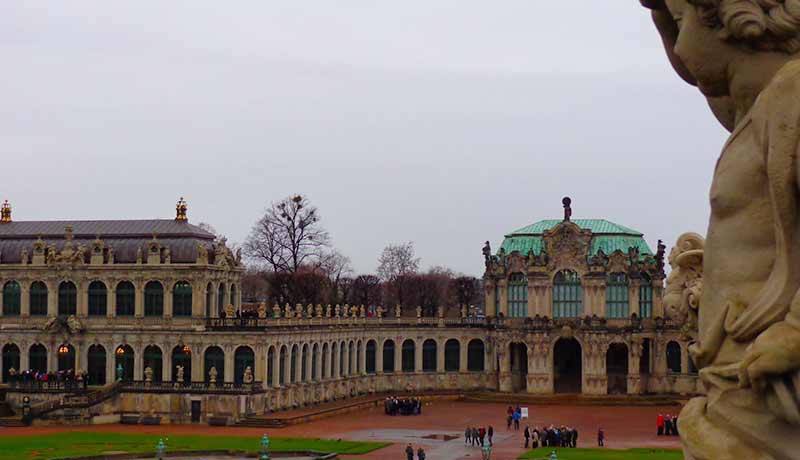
[(212, 375)]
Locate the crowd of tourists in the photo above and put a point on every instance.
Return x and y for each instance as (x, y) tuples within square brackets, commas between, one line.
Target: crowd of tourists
[(667, 425), (405, 406), (66, 378), (479, 436), (551, 436), (410, 453)]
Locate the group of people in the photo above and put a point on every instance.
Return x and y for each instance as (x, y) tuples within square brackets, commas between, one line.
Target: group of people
[(551, 436), (67, 378), (406, 406), (410, 453), (478, 436), (667, 425), (513, 416)]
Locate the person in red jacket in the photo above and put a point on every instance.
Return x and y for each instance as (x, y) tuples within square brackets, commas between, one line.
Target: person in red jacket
[(660, 424)]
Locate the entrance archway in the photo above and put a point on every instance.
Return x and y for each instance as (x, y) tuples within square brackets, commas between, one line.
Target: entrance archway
[(567, 366), (617, 368), (519, 367)]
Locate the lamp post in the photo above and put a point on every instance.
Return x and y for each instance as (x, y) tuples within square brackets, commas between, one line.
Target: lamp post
[(264, 447)]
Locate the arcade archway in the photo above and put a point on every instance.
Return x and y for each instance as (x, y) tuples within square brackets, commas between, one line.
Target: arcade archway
[(617, 368), (567, 366), (519, 367)]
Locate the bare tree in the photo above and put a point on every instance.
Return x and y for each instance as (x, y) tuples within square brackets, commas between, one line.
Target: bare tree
[(288, 236), (336, 266), (397, 260), (365, 290)]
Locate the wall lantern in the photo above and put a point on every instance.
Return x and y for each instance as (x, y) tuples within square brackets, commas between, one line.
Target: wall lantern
[(63, 349)]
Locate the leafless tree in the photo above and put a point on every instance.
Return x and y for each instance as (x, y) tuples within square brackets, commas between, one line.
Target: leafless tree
[(336, 266), (366, 290), (288, 236), (397, 260)]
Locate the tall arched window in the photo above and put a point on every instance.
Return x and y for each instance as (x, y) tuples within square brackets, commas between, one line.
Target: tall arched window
[(182, 299), (293, 365), (221, 298), (233, 294), (98, 298), (215, 358), (37, 358), (126, 299), (243, 358), (67, 298), (452, 356), (370, 357), (388, 356), (96, 365), (270, 366), (408, 356), (209, 300), (359, 359), (324, 374), (10, 360), (567, 295), (617, 305), (674, 357), (123, 360), (343, 370), (282, 366), (154, 360), (182, 356), (314, 361), (154, 299), (646, 297), (38, 298), (517, 295), (11, 299), (475, 355), (429, 356), (304, 364), (66, 357)]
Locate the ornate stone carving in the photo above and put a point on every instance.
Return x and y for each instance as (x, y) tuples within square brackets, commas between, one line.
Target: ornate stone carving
[(685, 282), (568, 246)]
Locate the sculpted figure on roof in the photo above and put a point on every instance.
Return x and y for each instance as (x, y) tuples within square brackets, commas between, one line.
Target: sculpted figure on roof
[(743, 57)]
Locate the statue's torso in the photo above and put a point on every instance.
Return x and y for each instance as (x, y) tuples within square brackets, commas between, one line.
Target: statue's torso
[(740, 246)]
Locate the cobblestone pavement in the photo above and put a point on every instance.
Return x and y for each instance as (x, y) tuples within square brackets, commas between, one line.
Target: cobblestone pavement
[(625, 427)]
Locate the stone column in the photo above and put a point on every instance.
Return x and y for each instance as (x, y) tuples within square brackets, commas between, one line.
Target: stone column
[(24, 356), (80, 357), (82, 298), (166, 363), (52, 298), (633, 298), (440, 355), (378, 356), (197, 364), (489, 287), (111, 301), (25, 301), (504, 352), (363, 367), (229, 363), (309, 370), (168, 292), (658, 304), (276, 367), (198, 300), (111, 375), (298, 366), (318, 364), (417, 356), (287, 367), (2, 285), (398, 357), (463, 364), (634, 379), (139, 301), (502, 285), (138, 363), (215, 301), (532, 304)]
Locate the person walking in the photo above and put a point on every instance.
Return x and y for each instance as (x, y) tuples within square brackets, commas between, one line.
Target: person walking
[(467, 435), (409, 452), (486, 452), (482, 434), (601, 437), (509, 417), (420, 454), (475, 437), (490, 434), (535, 438), (660, 424), (517, 416), (527, 435)]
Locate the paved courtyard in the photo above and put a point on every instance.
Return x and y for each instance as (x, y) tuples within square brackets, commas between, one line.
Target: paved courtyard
[(625, 427)]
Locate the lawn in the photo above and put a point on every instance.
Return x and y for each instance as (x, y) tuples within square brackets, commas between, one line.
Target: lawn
[(604, 454), (73, 443)]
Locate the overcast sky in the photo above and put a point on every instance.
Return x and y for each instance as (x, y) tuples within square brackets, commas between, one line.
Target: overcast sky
[(445, 123)]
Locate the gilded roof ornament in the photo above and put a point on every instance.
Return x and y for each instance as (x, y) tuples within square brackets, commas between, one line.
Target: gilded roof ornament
[(5, 213), (180, 211)]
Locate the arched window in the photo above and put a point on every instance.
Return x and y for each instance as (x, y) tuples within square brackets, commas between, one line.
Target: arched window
[(233, 294), (293, 365), (452, 356), (182, 299), (209, 300), (282, 366), (221, 298), (153, 360), (351, 362), (335, 359), (324, 362), (38, 299), (517, 296), (388, 356), (429, 356), (98, 298), (214, 358), (343, 370), (96, 371), (66, 357), (371, 357), (314, 361), (646, 297), (182, 356), (11, 298), (567, 295), (10, 359), (126, 299), (243, 358), (617, 305), (304, 364), (674, 357), (359, 359), (154, 299), (408, 356), (67, 298), (123, 361), (475, 355), (37, 358), (270, 366)]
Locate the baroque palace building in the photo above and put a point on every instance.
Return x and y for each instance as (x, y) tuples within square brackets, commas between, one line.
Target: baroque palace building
[(146, 309)]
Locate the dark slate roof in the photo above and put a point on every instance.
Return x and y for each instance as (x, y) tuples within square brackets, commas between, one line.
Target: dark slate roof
[(104, 228), (124, 236)]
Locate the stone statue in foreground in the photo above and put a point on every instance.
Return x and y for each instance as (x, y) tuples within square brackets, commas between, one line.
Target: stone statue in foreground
[(743, 57)]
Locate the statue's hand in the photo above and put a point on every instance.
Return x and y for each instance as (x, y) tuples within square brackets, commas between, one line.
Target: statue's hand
[(775, 352)]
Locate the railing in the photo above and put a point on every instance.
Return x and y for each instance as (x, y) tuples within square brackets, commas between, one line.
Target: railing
[(73, 402), (268, 323), (139, 386), (49, 386)]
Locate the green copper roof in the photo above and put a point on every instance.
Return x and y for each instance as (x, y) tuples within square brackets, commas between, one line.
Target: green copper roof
[(606, 235)]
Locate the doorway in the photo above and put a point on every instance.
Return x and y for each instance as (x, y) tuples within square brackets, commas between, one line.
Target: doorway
[(617, 368), (567, 366), (195, 411), (519, 367)]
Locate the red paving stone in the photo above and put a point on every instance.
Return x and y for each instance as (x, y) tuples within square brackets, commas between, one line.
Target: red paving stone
[(625, 427)]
